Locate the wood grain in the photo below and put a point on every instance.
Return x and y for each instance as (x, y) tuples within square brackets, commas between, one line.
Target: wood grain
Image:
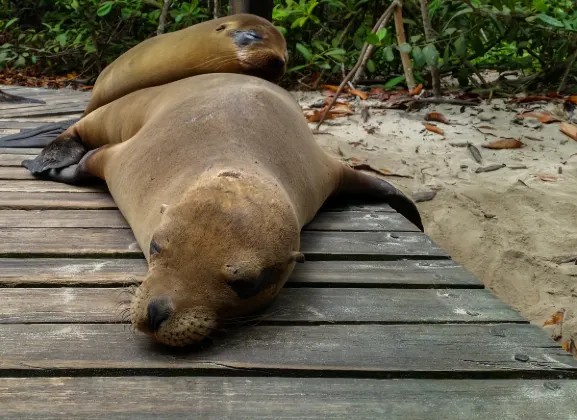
[(27, 201), (10, 172), (301, 305), (46, 186), (180, 398), (374, 350), (13, 159), (114, 272), (61, 109), (332, 221), (315, 245)]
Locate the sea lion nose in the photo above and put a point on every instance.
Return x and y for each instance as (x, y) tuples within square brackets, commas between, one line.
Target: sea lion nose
[(159, 310)]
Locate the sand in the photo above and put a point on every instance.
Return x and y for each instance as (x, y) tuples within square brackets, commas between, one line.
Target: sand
[(513, 230)]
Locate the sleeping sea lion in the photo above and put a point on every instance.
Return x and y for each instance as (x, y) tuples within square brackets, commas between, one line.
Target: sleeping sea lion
[(242, 43), (216, 175)]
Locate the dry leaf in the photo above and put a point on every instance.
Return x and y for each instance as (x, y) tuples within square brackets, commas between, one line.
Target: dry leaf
[(556, 319), (527, 99), (436, 116), (542, 117), (570, 346), (546, 177), (340, 109), (572, 99), (315, 116), (433, 128), (569, 130), (376, 91), (503, 144), (332, 88), (359, 93), (354, 159), (416, 90)]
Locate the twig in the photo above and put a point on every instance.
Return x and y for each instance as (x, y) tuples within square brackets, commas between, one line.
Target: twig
[(162, 18), (216, 9), (567, 71), (401, 39), (429, 36), (380, 23)]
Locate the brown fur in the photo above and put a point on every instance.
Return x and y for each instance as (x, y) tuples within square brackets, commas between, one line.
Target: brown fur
[(219, 173), (198, 49)]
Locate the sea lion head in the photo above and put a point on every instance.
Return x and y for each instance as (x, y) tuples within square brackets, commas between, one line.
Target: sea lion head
[(223, 251), (259, 46)]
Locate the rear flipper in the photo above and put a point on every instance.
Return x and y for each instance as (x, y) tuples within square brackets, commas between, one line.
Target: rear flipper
[(355, 184), (66, 150), (74, 174), (37, 137)]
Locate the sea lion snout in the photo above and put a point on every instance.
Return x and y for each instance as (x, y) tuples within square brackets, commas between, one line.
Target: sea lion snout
[(159, 310)]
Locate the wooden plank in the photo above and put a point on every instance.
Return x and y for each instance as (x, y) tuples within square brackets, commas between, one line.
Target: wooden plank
[(373, 350), (20, 151), (45, 111), (300, 305), (27, 201), (51, 101), (337, 221), (176, 398), (14, 159), (315, 245), (48, 186), (115, 272), (8, 173)]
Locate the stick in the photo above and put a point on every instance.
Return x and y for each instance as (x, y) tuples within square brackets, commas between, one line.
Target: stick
[(216, 9), (429, 35), (401, 39), (162, 18), (380, 23), (566, 74)]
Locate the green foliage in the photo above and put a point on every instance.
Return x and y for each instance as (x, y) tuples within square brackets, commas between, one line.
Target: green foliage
[(83, 36)]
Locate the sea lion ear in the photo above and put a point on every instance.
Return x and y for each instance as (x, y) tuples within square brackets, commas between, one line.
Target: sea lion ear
[(297, 257), (154, 248)]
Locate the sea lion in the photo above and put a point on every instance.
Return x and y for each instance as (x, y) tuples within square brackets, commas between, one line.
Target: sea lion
[(216, 175), (241, 43)]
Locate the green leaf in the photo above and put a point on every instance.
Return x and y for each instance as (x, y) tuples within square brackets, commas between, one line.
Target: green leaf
[(394, 82), (477, 45), (21, 62), (325, 66), (295, 68), (419, 57), (388, 52), (415, 38), (34, 59), (299, 22), (371, 66), (304, 51), (461, 46), (373, 39), (449, 31), (540, 5), (405, 48), (382, 33), (336, 52), (431, 54), (551, 21), (10, 22), (104, 8)]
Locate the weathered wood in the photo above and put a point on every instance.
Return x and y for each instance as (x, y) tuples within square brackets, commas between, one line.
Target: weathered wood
[(337, 221), (15, 173), (316, 305), (14, 159), (373, 350), (46, 186), (258, 398), (51, 101), (20, 151), (315, 245), (62, 109), (114, 272), (27, 201)]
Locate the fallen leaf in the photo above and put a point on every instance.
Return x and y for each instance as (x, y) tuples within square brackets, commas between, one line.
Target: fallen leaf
[(503, 144), (354, 159), (376, 91), (572, 99), (553, 95), (328, 92), (570, 346), (436, 116), (546, 177), (332, 88), (527, 99), (338, 101), (569, 130), (475, 153), (359, 93), (486, 127), (433, 128), (341, 109), (556, 319), (490, 168), (315, 116), (542, 117), (416, 90)]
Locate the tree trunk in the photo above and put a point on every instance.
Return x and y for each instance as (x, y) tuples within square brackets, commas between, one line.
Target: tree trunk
[(163, 17), (430, 35), (262, 8)]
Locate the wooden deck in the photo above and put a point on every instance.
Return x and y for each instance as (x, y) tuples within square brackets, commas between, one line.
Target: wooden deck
[(378, 323)]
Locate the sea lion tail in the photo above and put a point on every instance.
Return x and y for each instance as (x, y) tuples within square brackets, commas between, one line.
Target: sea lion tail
[(37, 137), (358, 185)]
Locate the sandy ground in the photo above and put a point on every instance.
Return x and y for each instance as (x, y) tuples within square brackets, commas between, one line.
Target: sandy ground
[(513, 230)]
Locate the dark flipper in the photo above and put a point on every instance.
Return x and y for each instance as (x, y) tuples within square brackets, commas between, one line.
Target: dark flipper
[(37, 137), (74, 174), (360, 186), (65, 151), (15, 99)]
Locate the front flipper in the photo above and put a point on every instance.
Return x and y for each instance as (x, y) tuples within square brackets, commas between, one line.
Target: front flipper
[(358, 185), (74, 174), (37, 137), (64, 151)]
